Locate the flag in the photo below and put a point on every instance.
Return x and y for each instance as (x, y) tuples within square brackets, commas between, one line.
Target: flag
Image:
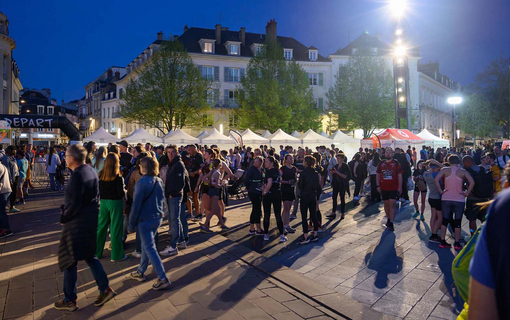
[(234, 134)]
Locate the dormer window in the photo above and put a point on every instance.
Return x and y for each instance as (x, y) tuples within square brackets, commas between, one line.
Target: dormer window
[(287, 54), (234, 49), (312, 55), (208, 47)]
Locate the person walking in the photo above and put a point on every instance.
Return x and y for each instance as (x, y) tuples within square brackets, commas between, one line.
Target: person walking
[(52, 162), (22, 164), (111, 193), (5, 192), (389, 183), (436, 216), (272, 196), (308, 184), (453, 198), (214, 194), (420, 189), (253, 182), (375, 196), (78, 239), (99, 159), (12, 169), (146, 217), (341, 174), (288, 181), (174, 187)]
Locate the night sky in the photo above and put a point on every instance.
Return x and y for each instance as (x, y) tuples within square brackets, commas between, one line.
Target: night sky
[(63, 45)]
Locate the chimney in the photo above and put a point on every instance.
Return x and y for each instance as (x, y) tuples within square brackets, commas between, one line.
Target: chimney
[(186, 28), (117, 75), (160, 35), (176, 37), (218, 34), (242, 35), (271, 31), (109, 73)]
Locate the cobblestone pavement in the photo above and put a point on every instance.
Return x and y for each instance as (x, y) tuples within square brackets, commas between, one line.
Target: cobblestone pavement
[(399, 274), (209, 282)]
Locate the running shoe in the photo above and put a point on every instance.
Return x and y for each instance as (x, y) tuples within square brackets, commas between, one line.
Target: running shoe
[(251, 232), (331, 216), (356, 199), (66, 306), (104, 297), (125, 257), (444, 244), (283, 238), (197, 218), (289, 229), (304, 241), (422, 217), (314, 239), (161, 284), (4, 233), (390, 226), (204, 229), (292, 217), (342, 216), (259, 233), (266, 237), (136, 254), (320, 230), (416, 214), (225, 229), (182, 245), (169, 251), (137, 276), (435, 238), (457, 246), (14, 210)]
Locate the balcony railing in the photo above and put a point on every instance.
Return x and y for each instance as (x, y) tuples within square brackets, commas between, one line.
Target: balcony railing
[(223, 103), (115, 115)]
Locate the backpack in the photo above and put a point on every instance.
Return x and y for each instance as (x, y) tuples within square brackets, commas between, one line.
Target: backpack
[(484, 184)]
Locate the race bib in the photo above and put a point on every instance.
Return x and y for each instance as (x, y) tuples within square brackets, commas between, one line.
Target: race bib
[(387, 175)]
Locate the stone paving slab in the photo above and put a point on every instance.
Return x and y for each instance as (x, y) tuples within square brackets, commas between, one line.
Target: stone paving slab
[(208, 280)]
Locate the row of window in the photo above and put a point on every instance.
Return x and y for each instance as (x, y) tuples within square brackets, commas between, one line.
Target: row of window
[(49, 109)]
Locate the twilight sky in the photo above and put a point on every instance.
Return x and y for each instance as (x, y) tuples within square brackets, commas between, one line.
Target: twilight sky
[(63, 45)]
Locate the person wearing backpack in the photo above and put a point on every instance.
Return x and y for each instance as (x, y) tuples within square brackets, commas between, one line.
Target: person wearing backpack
[(482, 191)]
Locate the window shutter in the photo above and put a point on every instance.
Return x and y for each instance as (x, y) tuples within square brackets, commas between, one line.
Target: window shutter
[(225, 74), (216, 96), (321, 103), (321, 79), (216, 73), (225, 97), (243, 70)]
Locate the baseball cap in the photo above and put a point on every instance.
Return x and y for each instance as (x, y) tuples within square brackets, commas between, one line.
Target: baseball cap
[(123, 143)]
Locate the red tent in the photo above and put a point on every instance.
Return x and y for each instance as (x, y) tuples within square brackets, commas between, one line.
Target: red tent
[(392, 138)]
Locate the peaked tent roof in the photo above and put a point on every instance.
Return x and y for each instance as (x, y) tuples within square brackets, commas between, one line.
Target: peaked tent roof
[(132, 133), (280, 137), (427, 135), (202, 135), (142, 136), (296, 134), (101, 136), (215, 137), (324, 134), (169, 134), (312, 137), (339, 136), (250, 137), (180, 137), (266, 134), (398, 134)]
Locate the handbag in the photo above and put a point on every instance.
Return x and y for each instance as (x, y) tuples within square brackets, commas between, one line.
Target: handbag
[(420, 184)]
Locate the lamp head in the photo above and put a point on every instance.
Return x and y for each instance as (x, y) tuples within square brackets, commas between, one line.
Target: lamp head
[(454, 100)]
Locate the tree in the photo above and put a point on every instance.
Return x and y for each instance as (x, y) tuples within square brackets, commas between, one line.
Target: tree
[(166, 92), (494, 84), (476, 117), (275, 94), (362, 96)]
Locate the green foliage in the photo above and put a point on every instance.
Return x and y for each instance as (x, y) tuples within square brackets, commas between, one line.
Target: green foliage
[(166, 92), (494, 84), (276, 94), (476, 116), (362, 96)]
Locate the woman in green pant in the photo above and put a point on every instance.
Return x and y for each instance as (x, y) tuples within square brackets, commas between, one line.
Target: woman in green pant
[(111, 192)]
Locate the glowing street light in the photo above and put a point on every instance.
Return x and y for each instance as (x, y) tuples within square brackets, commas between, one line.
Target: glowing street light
[(399, 32), (400, 51), (398, 8), (454, 101)]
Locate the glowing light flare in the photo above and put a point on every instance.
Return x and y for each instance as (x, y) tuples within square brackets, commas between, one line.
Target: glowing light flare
[(440, 133), (454, 100), (402, 99), (399, 41), (400, 80), (221, 128), (400, 51), (399, 32), (398, 8), (458, 134)]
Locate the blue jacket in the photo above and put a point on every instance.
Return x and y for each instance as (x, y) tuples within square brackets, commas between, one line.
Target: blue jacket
[(147, 202)]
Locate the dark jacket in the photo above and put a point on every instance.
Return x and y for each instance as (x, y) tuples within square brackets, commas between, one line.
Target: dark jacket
[(10, 163), (112, 190), (175, 178), (253, 180), (79, 216), (308, 182), (339, 182), (406, 167)]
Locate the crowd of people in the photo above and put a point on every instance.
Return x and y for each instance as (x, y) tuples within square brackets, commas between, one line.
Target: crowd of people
[(119, 189)]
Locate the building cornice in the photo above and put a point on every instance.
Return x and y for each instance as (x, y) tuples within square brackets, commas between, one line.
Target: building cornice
[(435, 82), (8, 39)]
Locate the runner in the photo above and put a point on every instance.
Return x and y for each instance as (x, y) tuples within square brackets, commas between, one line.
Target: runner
[(214, 195), (389, 185), (436, 217), (194, 162), (299, 164), (253, 182), (375, 196), (272, 196), (289, 176), (420, 188), (341, 176), (308, 184), (452, 200)]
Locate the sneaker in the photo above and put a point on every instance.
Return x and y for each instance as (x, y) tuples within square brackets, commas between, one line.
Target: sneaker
[(266, 237), (390, 226), (314, 239), (444, 244), (181, 245), (251, 232), (331, 216), (416, 214), (66, 306), (204, 229), (197, 218), (422, 217), (14, 210), (5, 233), (137, 276), (304, 241), (289, 229), (121, 259), (161, 284), (457, 246), (257, 233), (356, 199), (434, 238), (104, 297), (320, 230), (293, 217), (225, 229), (136, 254), (283, 238), (169, 251)]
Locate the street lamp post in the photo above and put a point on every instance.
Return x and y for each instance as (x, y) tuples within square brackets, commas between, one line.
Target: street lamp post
[(454, 101)]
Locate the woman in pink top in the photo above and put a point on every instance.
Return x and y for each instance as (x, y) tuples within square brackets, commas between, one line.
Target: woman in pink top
[(452, 200)]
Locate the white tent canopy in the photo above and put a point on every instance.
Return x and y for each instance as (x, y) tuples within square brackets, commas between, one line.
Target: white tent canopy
[(348, 145), (296, 134), (312, 139), (433, 140), (101, 136), (202, 135), (180, 137), (341, 137), (132, 133), (282, 138), (216, 138), (142, 136), (250, 138), (169, 134), (324, 134), (266, 134)]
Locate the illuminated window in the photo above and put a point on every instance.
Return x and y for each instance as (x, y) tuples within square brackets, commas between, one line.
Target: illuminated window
[(40, 109), (234, 49), (208, 47)]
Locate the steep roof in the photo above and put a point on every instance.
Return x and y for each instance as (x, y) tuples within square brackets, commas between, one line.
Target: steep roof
[(191, 37), (362, 42)]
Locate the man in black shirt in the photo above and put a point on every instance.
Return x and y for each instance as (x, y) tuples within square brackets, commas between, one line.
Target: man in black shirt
[(125, 157), (193, 166)]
